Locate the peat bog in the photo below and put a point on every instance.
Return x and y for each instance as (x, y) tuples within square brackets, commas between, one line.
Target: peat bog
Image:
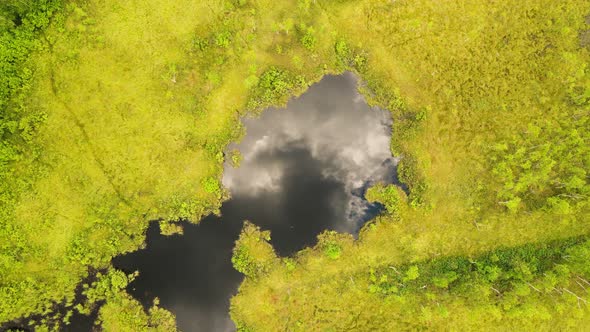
[(304, 169)]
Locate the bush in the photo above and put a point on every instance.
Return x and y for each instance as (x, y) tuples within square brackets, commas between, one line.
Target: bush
[(273, 85), (211, 186), (409, 174), (333, 250), (253, 255), (342, 52), (332, 243), (223, 39), (308, 40), (391, 196)]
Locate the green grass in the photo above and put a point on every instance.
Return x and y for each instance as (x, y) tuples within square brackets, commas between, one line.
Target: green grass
[(129, 105), (458, 85), (137, 119)]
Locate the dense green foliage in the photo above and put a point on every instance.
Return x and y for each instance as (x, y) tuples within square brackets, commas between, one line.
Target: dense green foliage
[(546, 166), (121, 312), (524, 284), (391, 196), (518, 286), (115, 113), (20, 26), (253, 255), (19, 118), (508, 272)]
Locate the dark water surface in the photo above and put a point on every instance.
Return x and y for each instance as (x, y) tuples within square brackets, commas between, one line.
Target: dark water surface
[(304, 170)]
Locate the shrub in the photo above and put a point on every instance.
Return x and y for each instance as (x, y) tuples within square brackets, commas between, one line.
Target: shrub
[(273, 85), (211, 186), (391, 196), (223, 39), (333, 250), (253, 255), (308, 40)]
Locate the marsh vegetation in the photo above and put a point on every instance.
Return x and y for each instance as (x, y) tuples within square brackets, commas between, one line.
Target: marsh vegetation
[(303, 170), (117, 113)]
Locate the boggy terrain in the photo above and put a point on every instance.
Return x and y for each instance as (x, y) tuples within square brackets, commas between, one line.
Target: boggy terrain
[(116, 113), (297, 172)]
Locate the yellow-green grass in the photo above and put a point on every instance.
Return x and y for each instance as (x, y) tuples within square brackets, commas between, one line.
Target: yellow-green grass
[(138, 117), (441, 56)]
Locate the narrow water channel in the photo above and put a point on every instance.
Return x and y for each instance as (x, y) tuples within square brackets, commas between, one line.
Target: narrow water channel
[(304, 170)]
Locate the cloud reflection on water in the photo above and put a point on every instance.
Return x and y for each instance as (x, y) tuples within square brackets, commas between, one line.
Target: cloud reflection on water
[(341, 132), (304, 170)]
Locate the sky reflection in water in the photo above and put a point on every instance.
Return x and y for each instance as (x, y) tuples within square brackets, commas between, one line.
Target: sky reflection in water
[(304, 170)]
